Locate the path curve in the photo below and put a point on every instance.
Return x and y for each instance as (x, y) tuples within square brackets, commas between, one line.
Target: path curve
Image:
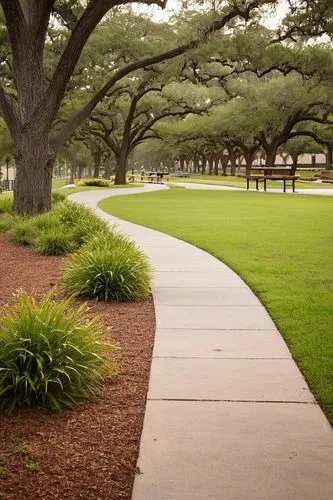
[(229, 416)]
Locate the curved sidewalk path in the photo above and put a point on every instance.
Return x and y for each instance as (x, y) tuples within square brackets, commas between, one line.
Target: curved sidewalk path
[(229, 416)]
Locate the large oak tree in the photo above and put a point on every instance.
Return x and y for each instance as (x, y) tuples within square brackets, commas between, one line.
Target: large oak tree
[(30, 103)]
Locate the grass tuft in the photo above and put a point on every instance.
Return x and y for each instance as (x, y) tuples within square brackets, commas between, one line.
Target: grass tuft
[(109, 268), (51, 356)]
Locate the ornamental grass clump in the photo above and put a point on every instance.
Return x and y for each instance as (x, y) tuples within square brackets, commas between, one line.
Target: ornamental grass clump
[(51, 355), (23, 231), (94, 182), (109, 268), (6, 204), (55, 241)]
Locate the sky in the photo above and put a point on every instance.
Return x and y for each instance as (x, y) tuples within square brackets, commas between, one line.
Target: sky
[(271, 21)]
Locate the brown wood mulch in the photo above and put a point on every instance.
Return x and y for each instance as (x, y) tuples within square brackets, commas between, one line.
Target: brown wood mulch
[(88, 453)]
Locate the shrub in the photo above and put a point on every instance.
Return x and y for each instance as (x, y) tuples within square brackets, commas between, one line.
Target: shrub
[(51, 356), (22, 231), (6, 222), (57, 197), (87, 228), (46, 221), (55, 241), (94, 182), (70, 212), (6, 204), (110, 269)]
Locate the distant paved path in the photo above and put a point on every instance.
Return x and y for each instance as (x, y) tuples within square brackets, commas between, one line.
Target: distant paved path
[(229, 416), (215, 187)]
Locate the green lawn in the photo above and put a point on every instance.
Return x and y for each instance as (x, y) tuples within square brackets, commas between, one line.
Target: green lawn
[(281, 245), (239, 182)]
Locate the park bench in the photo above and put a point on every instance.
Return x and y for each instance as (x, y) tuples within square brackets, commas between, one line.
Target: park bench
[(154, 177), (271, 173), (326, 176)]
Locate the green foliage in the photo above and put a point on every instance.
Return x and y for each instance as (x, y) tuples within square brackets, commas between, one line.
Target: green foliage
[(6, 222), (6, 204), (22, 231), (109, 268), (57, 197), (94, 182), (51, 356), (55, 241)]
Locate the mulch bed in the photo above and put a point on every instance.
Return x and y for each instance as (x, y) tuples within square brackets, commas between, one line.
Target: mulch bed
[(88, 453)]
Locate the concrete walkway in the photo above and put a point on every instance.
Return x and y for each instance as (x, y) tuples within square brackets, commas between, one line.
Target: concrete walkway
[(229, 416)]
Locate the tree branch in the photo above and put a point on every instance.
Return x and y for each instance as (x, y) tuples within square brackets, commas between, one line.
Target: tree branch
[(69, 128), (8, 113)]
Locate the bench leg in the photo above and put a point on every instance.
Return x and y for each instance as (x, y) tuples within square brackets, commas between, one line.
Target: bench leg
[(247, 184), (284, 185), (265, 185), (293, 182)]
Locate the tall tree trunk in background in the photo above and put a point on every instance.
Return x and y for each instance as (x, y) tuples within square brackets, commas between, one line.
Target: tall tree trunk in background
[(181, 162), (271, 156), (210, 166), (108, 167), (216, 165), (329, 155), (232, 158), (97, 162), (122, 166), (196, 163), (203, 164), (294, 158), (224, 163)]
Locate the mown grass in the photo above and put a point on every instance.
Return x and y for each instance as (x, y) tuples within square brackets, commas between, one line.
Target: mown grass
[(234, 181), (281, 245), (77, 189)]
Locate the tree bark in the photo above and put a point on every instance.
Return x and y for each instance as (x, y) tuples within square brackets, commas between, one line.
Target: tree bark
[(329, 156), (271, 155), (203, 164), (33, 186), (210, 166), (294, 158), (122, 167)]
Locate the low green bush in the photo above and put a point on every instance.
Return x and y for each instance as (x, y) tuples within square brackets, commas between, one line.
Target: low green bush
[(94, 182), (23, 231), (69, 212), (55, 241), (109, 268), (6, 204), (46, 221), (6, 222), (57, 197), (51, 356)]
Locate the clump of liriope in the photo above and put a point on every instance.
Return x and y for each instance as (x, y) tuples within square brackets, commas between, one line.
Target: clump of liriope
[(55, 241), (51, 355), (94, 182), (22, 231), (6, 222), (69, 212), (58, 197), (109, 267), (6, 204)]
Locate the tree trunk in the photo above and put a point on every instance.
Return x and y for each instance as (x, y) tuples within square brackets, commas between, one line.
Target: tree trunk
[(181, 161), (196, 163), (216, 166), (329, 156), (270, 156), (294, 158), (232, 157), (203, 164), (249, 158), (210, 166), (121, 168), (34, 167)]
